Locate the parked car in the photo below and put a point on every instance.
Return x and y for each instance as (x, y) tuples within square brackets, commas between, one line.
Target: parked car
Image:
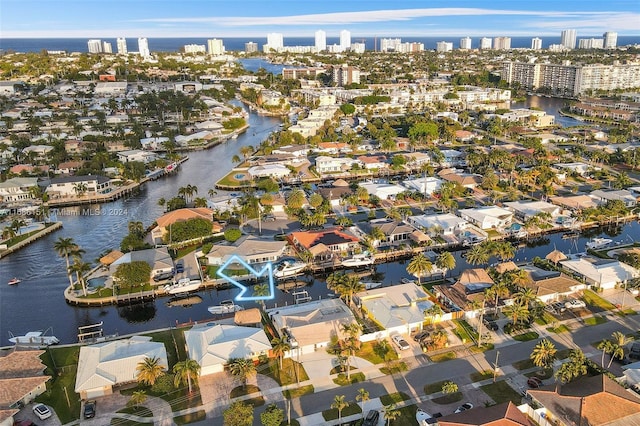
[(575, 304), (163, 276), (634, 351), (464, 407), (269, 218), (534, 382), (42, 411), (372, 418), (559, 307), (491, 325), (179, 267), (89, 409), (420, 336), (400, 342)]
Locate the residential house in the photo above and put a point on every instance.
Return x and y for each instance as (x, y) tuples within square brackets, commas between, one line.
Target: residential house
[(277, 171), (324, 244), (136, 155), (193, 138), (158, 258), (439, 224), (333, 165), (488, 217), (17, 189), (22, 169), (335, 194), (103, 366), (68, 167), (470, 287), (623, 195), (424, 185), (39, 151), (165, 221), (250, 249), (466, 180), (602, 273), (417, 159), (373, 162), (66, 186), (384, 191), (153, 143), (505, 414), (333, 147), (223, 203), (593, 401), (213, 345), (311, 326), (395, 232), (295, 150), (396, 309), (212, 126), (22, 379), (550, 286), (464, 136), (452, 158), (524, 210), (75, 146), (574, 202)]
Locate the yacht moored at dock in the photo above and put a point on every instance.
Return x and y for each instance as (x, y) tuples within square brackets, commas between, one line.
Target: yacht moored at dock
[(184, 285), (289, 269)]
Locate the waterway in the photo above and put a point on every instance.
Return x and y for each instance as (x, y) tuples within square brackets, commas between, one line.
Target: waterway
[(551, 106), (37, 303)]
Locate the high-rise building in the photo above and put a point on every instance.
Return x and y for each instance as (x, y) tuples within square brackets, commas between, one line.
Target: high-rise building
[(143, 47), (344, 75), (358, 47), (275, 41), (485, 43), (122, 46), (536, 43), (568, 39), (390, 44), (610, 40), (94, 46), (321, 41), (444, 46), (215, 47), (345, 40), (465, 43), (502, 43), (194, 48), (106, 47), (251, 47), (590, 43)]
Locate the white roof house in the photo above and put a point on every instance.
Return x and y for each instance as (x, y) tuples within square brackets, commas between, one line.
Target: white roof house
[(622, 195), (136, 155), (311, 325), (384, 191), (213, 345), (332, 164), (269, 170), (604, 273), (104, 365), (488, 217), (425, 185), (526, 209), (158, 258), (251, 249), (448, 223), (398, 309)]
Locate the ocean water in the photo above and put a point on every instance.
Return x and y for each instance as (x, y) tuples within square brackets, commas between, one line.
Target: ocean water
[(237, 44)]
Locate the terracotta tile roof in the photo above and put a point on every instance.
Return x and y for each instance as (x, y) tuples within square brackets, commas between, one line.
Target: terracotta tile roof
[(561, 284), (6, 414), (506, 266), (21, 364), (506, 414), (183, 215), (475, 276), (327, 237), (248, 317), (592, 401), (13, 390)]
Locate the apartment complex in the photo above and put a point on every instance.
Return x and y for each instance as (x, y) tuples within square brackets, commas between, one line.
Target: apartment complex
[(571, 80), (568, 39), (502, 43), (444, 46), (344, 75), (251, 47), (122, 46), (143, 47), (320, 41), (536, 43), (215, 47), (465, 43)]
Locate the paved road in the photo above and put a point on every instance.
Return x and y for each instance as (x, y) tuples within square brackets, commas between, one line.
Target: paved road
[(458, 370)]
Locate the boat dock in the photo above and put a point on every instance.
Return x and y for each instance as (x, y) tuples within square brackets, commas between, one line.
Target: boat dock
[(49, 228)]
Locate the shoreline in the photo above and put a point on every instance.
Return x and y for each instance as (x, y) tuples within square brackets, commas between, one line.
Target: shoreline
[(24, 243)]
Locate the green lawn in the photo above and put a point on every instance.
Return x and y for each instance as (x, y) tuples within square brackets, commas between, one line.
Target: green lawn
[(436, 387), (545, 319), (286, 375), (479, 376), (501, 392), (394, 367), (332, 414), (407, 416), (524, 364), (393, 398), (525, 337), (464, 331), (140, 411), (445, 356), (298, 392), (591, 298), (595, 320), (174, 343), (559, 329), (448, 399), (546, 373), (256, 401), (482, 348), (627, 311), (368, 352), (342, 380), (62, 364), (198, 416)]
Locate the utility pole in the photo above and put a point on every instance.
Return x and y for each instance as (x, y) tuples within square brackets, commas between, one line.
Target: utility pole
[(495, 367)]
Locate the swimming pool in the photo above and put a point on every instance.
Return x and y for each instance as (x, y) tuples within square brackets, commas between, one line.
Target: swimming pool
[(96, 282)]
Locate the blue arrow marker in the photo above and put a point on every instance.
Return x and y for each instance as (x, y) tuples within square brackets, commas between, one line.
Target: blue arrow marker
[(267, 269)]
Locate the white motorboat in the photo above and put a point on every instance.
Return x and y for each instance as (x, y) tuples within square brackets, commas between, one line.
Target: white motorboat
[(14, 281), (225, 307), (363, 259), (35, 339), (184, 285), (597, 243), (289, 268), (371, 286)]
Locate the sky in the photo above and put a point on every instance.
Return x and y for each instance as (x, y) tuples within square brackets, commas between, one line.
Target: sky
[(301, 18)]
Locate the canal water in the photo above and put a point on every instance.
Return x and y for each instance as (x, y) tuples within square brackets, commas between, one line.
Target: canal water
[(37, 303), (551, 106)]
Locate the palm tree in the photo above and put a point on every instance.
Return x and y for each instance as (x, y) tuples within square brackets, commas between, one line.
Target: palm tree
[(446, 261), (544, 353), (280, 346), (449, 387), (478, 255), (186, 372), (350, 286), (352, 343), (575, 367), (296, 199), (80, 268), (339, 404), (525, 296), (149, 370), (200, 202), (391, 413), (242, 368), (137, 398), (497, 291), (419, 266), (619, 341), (362, 397), (606, 347), (517, 312), (64, 246), (261, 290), (432, 312)]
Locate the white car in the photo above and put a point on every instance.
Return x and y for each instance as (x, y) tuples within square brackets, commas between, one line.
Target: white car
[(42, 411), (464, 407), (575, 304), (400, 342)]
